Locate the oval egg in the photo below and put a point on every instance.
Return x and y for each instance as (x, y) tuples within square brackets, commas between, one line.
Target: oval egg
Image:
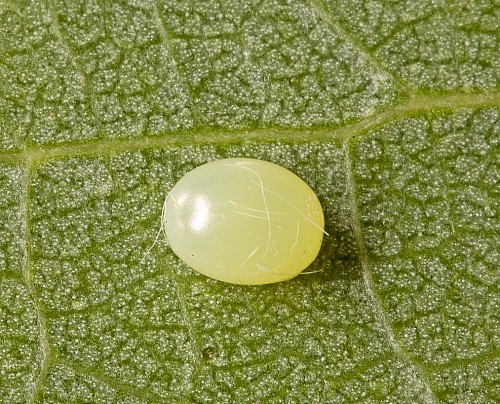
[(244, 221)]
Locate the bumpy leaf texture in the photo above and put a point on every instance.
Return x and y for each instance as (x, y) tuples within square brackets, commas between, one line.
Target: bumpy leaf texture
[(389, 110)]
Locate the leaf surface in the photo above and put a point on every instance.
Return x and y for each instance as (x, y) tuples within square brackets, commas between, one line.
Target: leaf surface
[(390, 111)]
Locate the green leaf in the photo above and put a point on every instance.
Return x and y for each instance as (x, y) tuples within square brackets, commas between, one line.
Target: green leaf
[(389, 110)]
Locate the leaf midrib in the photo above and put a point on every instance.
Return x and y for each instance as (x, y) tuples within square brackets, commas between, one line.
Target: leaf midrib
[(409, 106)]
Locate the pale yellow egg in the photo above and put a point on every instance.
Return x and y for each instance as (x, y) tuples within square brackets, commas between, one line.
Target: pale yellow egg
[(244, 221)]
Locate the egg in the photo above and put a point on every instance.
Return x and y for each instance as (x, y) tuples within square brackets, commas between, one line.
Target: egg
[(244, 221)]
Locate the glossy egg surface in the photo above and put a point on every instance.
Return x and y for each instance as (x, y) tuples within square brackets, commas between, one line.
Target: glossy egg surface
[(244, 221)]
